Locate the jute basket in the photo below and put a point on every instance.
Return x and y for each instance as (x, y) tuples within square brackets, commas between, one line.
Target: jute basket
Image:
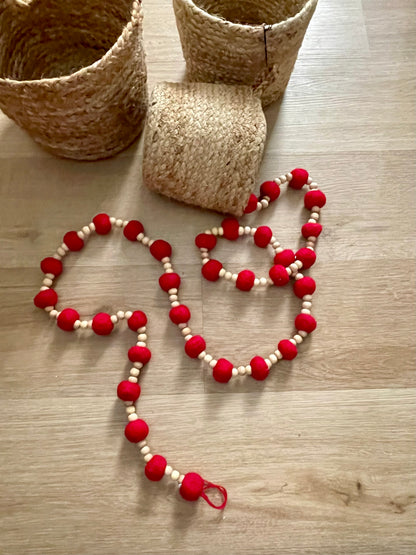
[(72, 73), (250, 42), (203, 144)]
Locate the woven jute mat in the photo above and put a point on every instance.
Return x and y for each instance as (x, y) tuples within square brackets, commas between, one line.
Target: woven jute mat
[(72, 73), (203, 144), (254, 42)]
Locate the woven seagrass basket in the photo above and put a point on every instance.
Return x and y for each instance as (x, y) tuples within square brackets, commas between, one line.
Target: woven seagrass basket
[(72, 73), (203, 144), (250, 42)]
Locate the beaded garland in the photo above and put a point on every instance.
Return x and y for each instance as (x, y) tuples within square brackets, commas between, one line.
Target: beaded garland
[(286, 264)]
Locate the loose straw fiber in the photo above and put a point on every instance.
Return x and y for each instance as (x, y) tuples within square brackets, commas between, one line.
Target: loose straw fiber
[(72, 73), (203, 144), (250, 42)]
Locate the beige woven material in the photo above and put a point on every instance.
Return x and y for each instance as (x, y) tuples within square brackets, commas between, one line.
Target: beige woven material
[(251, 42), (72, 73), (203, 144)]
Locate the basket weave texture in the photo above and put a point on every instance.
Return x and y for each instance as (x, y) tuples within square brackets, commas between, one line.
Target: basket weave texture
[(203, 144), (250, 42), (72, 73)]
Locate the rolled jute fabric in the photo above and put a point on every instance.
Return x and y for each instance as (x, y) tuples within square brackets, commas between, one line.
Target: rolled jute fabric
[(252, 42), (203, 144), (73, 74)]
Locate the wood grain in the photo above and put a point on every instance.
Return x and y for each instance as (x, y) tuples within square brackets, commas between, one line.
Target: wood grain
[(320, 458)]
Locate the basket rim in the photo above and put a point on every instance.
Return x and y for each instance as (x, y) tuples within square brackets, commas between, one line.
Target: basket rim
[(244, 27), (136, 6)]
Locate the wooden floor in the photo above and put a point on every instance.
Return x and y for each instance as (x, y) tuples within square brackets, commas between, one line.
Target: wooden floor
[(320, 458)]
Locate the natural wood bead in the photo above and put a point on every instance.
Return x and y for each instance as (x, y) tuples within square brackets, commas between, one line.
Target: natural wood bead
[(133, 416), (234, 372), (241, 370), (114, 318), (305, 311), (120, 315), (131, 409), (142, 337), (148, 457), (132, 379), (273, 358), (298, 338), (213, 363), (201, 355), (208, 358), (141, 444), (303, 333), (175, 475), (306, 304), (186, 331), (135, 372), (145, 450), (165, 260), (292, 341), (112, 220), (173, 291), (188, 337), (168, 470), (128, 314)]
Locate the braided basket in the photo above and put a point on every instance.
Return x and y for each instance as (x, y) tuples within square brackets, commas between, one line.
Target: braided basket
[(250, 42), (72, 73), (203, 144)]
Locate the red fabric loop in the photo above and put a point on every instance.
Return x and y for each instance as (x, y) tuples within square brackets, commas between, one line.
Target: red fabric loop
[(221, 489)]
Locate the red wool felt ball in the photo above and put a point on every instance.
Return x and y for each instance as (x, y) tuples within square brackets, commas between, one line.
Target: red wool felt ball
[(230, 227), (311, 230), (245, 280), (304, 286), (222, 371), (284, 258), (270, 189), (262, 236), (128, 391), (180, 314), (102, 324), (314, 198), (139, 354), (211, 270), (102, 224), (67, 319), (306, 256), (251, 205), (169, 281), (299, 178), (137, 320), (278, 275), (45, 298), (136, 431), (155, 468), (205, 241), (194, 346), (305, 322), (192, 486), (259, 368), (288, 350), (72, 241), (132, 230), (160, 249), (51, 265)]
